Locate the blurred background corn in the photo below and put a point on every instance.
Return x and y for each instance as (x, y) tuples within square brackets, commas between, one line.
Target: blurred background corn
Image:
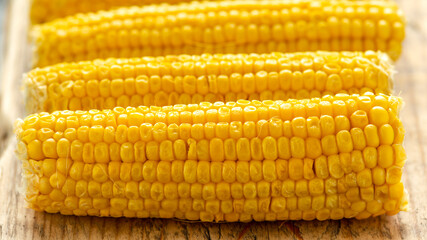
[(322, 158), (185, 79), (48, 10), (222, 27)]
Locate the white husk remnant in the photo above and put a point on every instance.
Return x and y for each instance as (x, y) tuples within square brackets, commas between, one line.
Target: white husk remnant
[(35, 95), (30, 175)]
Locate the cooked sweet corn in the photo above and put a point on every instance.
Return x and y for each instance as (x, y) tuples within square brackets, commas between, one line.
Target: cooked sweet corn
[(322, 158), (48, 10), (222, 27), (188, 79)]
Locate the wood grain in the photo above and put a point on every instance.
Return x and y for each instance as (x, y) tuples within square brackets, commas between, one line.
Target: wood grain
[(17, 222)]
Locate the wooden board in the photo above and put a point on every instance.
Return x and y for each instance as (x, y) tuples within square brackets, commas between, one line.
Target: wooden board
[(17, 222)]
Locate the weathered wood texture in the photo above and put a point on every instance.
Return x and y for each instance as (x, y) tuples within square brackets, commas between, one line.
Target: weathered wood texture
[(17, 222), (3, 16)]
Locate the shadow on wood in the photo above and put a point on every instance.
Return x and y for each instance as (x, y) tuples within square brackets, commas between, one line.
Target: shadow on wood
[(49, 226)]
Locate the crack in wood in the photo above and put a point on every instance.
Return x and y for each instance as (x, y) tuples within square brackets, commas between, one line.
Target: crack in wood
[(206, 231), (245, 230), (294, 229)]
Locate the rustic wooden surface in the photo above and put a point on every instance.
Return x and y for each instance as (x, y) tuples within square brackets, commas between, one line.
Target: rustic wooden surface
[(17, 222)]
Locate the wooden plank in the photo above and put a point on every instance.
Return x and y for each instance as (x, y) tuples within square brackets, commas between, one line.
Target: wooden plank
[(3, 17), (17, 222), (15, 63)]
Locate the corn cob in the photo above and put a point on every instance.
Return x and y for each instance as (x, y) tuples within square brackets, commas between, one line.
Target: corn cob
[(222, 27), (187, 79), (48, 10), (323, 158)]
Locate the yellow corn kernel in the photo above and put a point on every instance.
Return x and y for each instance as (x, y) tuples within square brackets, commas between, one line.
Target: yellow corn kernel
[(229, 171), (296, 169), (335, 169), (367, 193), (331, 186), (301, 188), (393, 175), (385, 156), (364, 178), (321, 167), (371, 134), (313, 147), (329, 145), (357, 163), (284, 150), (297, 147), (308, 168), (386, 134), (344, 141), (378, 116), (359, 119)]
